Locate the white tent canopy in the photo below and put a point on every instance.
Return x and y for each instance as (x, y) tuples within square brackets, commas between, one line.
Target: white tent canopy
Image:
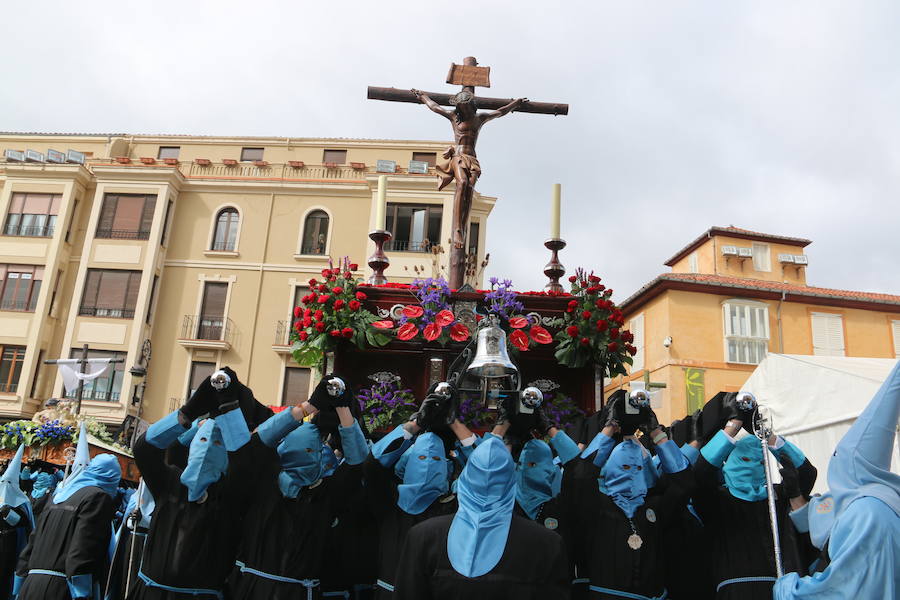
[(814, 399)]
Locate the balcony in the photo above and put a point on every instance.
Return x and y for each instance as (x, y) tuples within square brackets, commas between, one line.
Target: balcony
[(8, 388), (282, 341), (30, 231), (18, 305), (122, 234), (109, 313), (98, 395), (407, 246), (213, 333)]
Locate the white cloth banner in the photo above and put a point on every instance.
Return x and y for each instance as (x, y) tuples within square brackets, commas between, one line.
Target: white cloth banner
[(71, 373)]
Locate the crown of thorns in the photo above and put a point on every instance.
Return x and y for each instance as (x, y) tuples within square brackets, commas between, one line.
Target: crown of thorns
[(461, 98)]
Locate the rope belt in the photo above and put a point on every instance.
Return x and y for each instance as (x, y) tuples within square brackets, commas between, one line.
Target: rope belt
[(745, 580), (171, 588), (46, 572), (384, 585), (629, 595), (309, 584), (341, 594)]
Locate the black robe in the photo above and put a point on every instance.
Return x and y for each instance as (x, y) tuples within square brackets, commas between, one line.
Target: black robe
[(128, 554), (533, 566), (12, 541), (190, 544), (353, 549), (71, 537), (394, 523), (740, 535), (288, 537), (599, 531), (686, 556)]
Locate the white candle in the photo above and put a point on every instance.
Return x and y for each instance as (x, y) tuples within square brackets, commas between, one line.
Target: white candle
[(554, 212), (380, 206)]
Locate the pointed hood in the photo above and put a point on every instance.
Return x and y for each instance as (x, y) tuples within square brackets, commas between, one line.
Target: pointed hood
[(537, 477), (861, 463), (207, 460), (82, 456), (486, 490), (11, 493), (425, 471), (623, 476), (301, 456), (103, 472)]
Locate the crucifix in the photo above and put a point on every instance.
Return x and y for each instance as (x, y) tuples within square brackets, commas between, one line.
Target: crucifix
[(82, 363), (463, 167)]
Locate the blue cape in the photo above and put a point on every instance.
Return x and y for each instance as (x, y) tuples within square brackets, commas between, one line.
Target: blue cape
[(207, 460), (486, 490), (103, 472), (861, 464), (537, 477), (11, 493), (744, 471), (425, 471), (623, 477), (301, 455)]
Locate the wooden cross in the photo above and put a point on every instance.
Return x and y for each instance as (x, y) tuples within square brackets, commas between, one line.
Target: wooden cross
[(464, 168)]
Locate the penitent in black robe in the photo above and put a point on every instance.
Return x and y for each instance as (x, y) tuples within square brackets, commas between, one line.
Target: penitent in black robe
[(740, 534), (190, 544), (71, 538), (352, 550), (288, 537), (12, 541), (533, 566), (394, 523), (600, 530)]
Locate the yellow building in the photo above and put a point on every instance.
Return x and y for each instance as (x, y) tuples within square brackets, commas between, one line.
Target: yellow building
[(731, 297), (201, 245)]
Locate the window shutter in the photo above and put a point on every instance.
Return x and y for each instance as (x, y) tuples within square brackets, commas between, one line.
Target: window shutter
[(16, 203), (761, 260), (128, 213), (296, 386), (827, 334), (636, 326), (214, 300), (147, 215), (91, 287), (895, 326), (108, 212), (693, 263)]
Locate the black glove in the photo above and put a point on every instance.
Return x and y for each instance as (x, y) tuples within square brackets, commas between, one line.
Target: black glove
[(733, 411), (790, 478), (615, 413), (202, 402), (344, 400), (228, 399), (543, 421), (650, 422), (436, 410)]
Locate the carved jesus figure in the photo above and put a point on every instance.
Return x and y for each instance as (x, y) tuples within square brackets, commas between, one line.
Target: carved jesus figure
[(463, 166)]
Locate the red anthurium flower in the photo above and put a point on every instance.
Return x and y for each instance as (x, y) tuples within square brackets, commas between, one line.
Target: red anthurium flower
[(586, 315), (612, 346), (459, 333), (572, 330), (413, 311), (407, 331), (338, 304), (353, 266), (320, 326), (444, 318), (540, 335), (431, 332), (519, 339), (478, 318), (361, 296), (353, 305), (585, 341), (297, 312), (518, 322), (303, 336), (347, 332), (383, 324)]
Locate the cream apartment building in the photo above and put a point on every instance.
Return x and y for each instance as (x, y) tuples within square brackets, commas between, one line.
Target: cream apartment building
[(200, 245)]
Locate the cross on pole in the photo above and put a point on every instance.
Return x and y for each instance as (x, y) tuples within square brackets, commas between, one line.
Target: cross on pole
[(463, 167), (82, 368), (648, 385)]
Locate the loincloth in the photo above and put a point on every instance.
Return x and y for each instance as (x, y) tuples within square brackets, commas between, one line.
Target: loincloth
[(466, 162)]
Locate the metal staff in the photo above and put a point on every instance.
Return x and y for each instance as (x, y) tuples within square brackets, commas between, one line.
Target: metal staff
[(762, 427), (135, 518)]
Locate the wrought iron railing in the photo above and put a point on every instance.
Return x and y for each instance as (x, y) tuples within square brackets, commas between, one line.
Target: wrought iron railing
[(92, 394), (202, 327), (18, 306), (30, 231), (122, 234), (111, 313), (9, 388), (407, 246)]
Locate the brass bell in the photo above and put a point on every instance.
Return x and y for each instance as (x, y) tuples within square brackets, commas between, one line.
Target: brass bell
[(491, 358)]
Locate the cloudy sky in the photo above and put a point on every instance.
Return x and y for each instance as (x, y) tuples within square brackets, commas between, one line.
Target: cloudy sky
[(772, 116)]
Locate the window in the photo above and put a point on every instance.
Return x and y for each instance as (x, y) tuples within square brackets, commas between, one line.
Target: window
[(315, 233), (168, 152), (636, 327), (32, 215), (251, 154), (827, 334), (212, 311), (11, 358), (427, 157), (296, 386), (338, 157), (199, 372), (225, 235), (761, 260), (110, 293), (474, 232), (693, 263), (152, 299), (108, 386), (299, 292), (126, 216), (746, 332), (895, 329), (20, 287), (414, 227)]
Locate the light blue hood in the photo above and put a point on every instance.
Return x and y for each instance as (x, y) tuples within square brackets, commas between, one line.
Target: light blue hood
[(11, 493), (301, 455), (425, 471), (744, 471), (44, 483), (207, 460), (861, 464), (623, 477), (537, 477), (103, 472), (486, 490)]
